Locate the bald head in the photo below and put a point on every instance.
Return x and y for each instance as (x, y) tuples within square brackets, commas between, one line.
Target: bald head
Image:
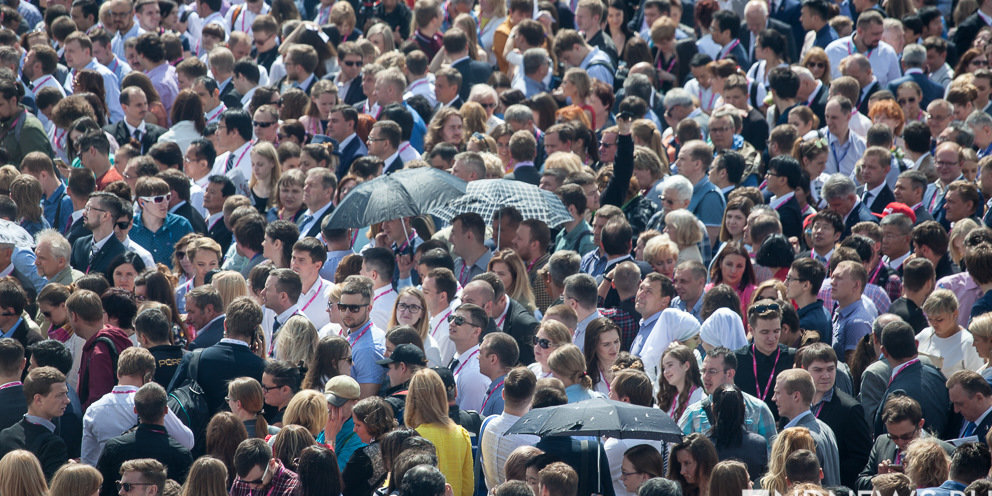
[(756, 15), (479, 293)]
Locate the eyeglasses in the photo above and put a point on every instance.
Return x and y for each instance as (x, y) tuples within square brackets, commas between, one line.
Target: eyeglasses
[(459, 320), (909, 436), (403, 307), (606, 145), (88, 208), (263, 125), (543, 343), (119, 14), (155, 199), (627, 474), (351, 308), (256, 482), (9, 314), (935, 117), (488, 105), (789, 279), (944, 163), (124, 225), (266, 389), (353, 63), (373, 140), (980, 62), (128, 486), (723, 129), (904, 101)]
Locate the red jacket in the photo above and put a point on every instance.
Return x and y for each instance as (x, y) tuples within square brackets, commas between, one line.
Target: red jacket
[(97, 376)]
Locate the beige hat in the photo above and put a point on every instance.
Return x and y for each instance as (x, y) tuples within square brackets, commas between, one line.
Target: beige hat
[(341, 389)]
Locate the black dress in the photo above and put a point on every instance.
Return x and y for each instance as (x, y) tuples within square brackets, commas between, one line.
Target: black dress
[(364, 471)]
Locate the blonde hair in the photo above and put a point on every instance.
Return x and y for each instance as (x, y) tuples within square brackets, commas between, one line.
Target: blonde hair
[(204, 243), (426, 401), (779, 287), (658, 246), (981, 326), (268, 152), (249, 393), (21, 475), (940, 302), (787, 441), (567, 161), (644, 131), (926, 463), (556, 332), (423, 323), (230, 284), (309, 409), (76, 479), (382, 29), (473, 119), (685, 227), (520, 290), (297, 341), (958, 232), (207, 477), (581, 80), (568, 362)]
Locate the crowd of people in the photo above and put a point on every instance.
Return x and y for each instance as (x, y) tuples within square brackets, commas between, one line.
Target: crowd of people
[(778, 232)]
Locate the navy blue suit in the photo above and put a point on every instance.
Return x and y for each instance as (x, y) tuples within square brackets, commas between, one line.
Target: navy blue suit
[(788, 12), (860, 214), (926, 385), (931, 90), (349, 153)]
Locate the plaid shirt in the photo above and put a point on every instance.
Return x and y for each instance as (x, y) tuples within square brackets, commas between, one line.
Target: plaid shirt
[(888, 280), (628, 325), (284, 483)]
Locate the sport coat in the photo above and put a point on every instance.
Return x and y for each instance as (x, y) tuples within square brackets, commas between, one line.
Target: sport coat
[(473, 72), (846, 418), (925, 384), (120, 133), (101, 259)]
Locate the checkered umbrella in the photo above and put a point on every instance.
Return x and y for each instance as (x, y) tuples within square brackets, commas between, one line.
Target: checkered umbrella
[(405, 193), (486, 196)]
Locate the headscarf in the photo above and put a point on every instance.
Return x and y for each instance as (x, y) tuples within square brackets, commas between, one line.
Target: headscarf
[(673, 325), (724, 328)]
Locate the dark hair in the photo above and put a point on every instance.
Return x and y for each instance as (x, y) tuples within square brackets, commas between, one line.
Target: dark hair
[(809, 270), (899, 340), (120, 304), (284, 374), (51, 353), (381, 260), (239, 120), (733, 248), (150, 403), (153, 324), (970, 462), (285, 231), (728, 421), (423, 480), (318, 472), (784, 82), (251, 453), (802, 466), (128, 257), (702, 451)]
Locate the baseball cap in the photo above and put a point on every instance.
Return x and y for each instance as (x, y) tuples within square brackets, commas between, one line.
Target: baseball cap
[(897, 208), (341, 389), (405, 353)]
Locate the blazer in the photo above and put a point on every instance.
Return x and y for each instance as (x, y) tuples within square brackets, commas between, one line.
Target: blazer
[(753, 451), (527, 174), (819, 102), (101, 261), (968, 30), (195, 219), (354, 94), (926, 385), (983, 428), (220, 233), (120, 133), (354, 149), (144, 441), (210, 335), (880, 201), (922, 215), (846, 418), (77, 230), (456, 104), (473, 72), (46, 445), (522, 326), (874, 381), (13, 406), (315, 230), (219, 364), (791, 217), (791, 51), (860, 214), (230, 96), (395, 165), (826, 448), (931, 90), (884, 448), (873, 88), (787, 11)]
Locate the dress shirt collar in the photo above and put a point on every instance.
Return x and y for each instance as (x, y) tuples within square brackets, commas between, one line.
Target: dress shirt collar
[(467, 353), (795, 420), (98, 245), (36, 420), (287, 313), (389, 161), (235, 341), (208, 324)]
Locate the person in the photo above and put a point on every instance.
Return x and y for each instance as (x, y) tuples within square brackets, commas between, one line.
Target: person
[(973, 400), (944, 340), (497, 355), (465, 329), (918, 281), (379, 265), (246, 399), (851, 321), (568, 365), (32, 136), (640, 464), (794, 388), (679, 384), (207, 476), (495, 447), (691, 463), (280, 295), (341, 394), (96, 372), (76, 479), (365, 471), (404, 360), (366, 339), (766, 358), (258, 470), (426, 411), (602, 347), (654, 295), (149, 440), (205, 312), (95, 252), (789, 441), (115, 410), (729, 437), (12, 399), (280, 381), (155, 228), (48, 397)]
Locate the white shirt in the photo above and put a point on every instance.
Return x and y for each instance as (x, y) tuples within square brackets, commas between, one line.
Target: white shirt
[(46, 81), (382, 306), (495, 446), (894, 264), (472, 385), (212, 219), (213, 115), (869, 196), (245, 18), (269, 317), (115, 411), (389, 161), (708, 100), (883, 59), (110, 84), (117, 43), (424, 87), (615, 448), (778, 201), (439, 330), (313, 303), (145, 255), (246, 99), (407, 152), (949, 354), (240, 170)]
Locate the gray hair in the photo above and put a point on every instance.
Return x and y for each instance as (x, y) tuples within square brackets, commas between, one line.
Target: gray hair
[(679, 184), (473, 161), (480, 91), (58, 244), (880, 322), (900, 221), (638, 85), (965, 137), (678, 97), (534, 58), (978, 119), (563, 264), (838, 186), (803, 73), (757, 4), (914, 55), (518, 113)]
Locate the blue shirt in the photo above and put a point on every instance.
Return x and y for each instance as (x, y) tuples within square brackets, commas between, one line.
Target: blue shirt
[(815, 318), (493, 404), (948, 488), (23, 260), (707, 203), (982, 305), (58, 208), (161, 243), (368, 344), (419, 129), (331, 264), (593, 263), (647, 324), (577, 393), (681, 305), (850, 324)]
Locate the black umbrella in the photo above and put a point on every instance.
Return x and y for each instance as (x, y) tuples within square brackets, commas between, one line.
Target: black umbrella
[(599, 417), (406, 193)]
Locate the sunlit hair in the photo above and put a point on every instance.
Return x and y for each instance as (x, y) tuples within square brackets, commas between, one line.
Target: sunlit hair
[(207, 477), (426, 401), (788, 441), (668, 394), (21, 475), (520, 290), (309, 409), (249, 392), (422, 325), (76, 479)]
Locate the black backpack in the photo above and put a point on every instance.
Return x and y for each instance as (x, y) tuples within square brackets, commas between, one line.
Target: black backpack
[(189, 403)]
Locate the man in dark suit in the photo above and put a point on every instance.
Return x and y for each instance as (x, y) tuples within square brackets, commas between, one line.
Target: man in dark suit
[(473, 71), (509, 315), (48, 393), (875, 193), (814, 94), (794, 391), (351, 60), (971, 396), (302, 61), (936, 194), (230, 358), (914, 59), (965, 35), (133, 126), (318, 188), (12, 402), (523, 149), (93, 253), (148, 440), (179, 186), (903, 420), (13, 301), (782, 180), (205, 312), (341, 126), (841, 195), (838, 410), (448, 84), (755, 21), (384, 142), (788, 12), (924, 383)]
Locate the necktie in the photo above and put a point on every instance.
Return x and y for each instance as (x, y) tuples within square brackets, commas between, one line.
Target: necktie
[(969, 429), (453, 364), (230, 162), (306, 220), (275, 327), (137, 134)]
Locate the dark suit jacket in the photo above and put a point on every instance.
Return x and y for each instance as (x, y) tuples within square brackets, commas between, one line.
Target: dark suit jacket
[(219, 364), (819, 103), (145, 441), (456, 104), (526, 174), (883, 199), (983, 428), (522, 326), (13, 406), (230, 96), (931, 90), (884, 449), (24, 335), (46, 445), (77, 230), (119, 131), (220, 233), (845, 416), (316, 227), (355, 93), (605, 43), (473, 72), (354, 149), (967, 30), (922, 215), (580, 454), (787, 11), (792, 218), (81, 254), (860, 214), (791, 52), (209, 336), (926, 385), (394, 166), (872, 89), (195, 219)]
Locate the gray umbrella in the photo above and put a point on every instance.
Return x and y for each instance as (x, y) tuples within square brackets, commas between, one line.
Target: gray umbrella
[(406, 193), (486, 196)]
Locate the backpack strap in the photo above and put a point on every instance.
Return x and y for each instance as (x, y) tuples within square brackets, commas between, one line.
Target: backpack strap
[(237, 12), (114, 354), (194, 364)]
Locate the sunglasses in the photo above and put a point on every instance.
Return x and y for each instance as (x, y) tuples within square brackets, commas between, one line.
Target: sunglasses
[(353, 63), (543, 343), (351, 308), (47, 315), (459, 321), (128, 486), (156, 199), (263, 125), (771, 307), (909, 436), (904, 101), (815, 64), (125, 225)]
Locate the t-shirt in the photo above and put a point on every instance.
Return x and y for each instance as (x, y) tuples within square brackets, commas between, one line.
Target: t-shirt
[(950, 354)]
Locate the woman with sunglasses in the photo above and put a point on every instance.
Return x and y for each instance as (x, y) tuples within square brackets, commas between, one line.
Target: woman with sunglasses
[(550, 335), (971, 60), (332, 358), (187, 116), (818, 63)]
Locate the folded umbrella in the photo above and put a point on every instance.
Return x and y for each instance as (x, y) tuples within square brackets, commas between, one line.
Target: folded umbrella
[(486, 196), (405, 193)]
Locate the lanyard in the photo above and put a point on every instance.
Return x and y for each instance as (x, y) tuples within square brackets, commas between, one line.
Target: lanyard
[(461, 274), (503, 318), (602, 377), (675, 412), (360, 334), (771, 374), (531, 264), (730, 47), (915, 360), (833, 151), (42, 83), (460, 367), (438, 326), (18, 383), (380, 296), (407, 242), (304, 309), (217, 113), (712, 96), (490, 395), (819, 409), (852, 49), (238, 161), (116, 63), (874, 273)]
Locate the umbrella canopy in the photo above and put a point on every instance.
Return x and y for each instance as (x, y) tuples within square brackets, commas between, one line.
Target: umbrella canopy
[(406, 193), (599, 417), (13, 234), (486, 196)]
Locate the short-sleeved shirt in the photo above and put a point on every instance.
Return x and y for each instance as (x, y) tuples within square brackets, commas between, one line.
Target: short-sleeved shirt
[(707, 203), (850, 324), (368, 344)]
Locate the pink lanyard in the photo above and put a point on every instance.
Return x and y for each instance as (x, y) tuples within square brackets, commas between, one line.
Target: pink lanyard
[(407, 242), (217, 113), (712, 96), (18, 383), (915, 360), (304, 309), (238, 162), (602, 377), (461, 274), (853, 49), (364, 330), (438, 326), (875, 272), (503, 318), (490, 395), (380, 296), (819, 409), (42, 83), (674, 412), (731, 46), (531, 264), (460, 367), (771, 374)]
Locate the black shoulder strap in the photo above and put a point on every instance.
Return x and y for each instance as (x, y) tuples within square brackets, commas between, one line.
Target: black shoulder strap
[(194, 364), (114, 354)]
